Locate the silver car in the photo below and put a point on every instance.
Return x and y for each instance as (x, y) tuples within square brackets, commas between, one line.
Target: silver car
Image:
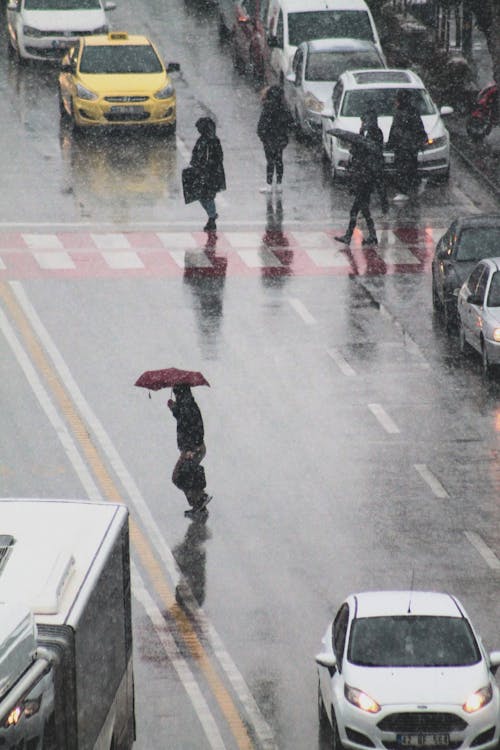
[(479, 312), (317, 66)]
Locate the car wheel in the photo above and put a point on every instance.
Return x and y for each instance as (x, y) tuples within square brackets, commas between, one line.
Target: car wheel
[(462, 341), (442, 179), (484, 358), (62, 109), (449, 315), (322, 715), (436, 302), (336, 744)]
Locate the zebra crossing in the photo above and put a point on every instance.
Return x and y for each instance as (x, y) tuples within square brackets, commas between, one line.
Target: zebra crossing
[(171, 253)]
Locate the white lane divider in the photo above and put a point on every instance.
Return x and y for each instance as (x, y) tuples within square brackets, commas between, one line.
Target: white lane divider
[(341, 362), (431, 480), (385, 420), (302, 310), (486, 553)]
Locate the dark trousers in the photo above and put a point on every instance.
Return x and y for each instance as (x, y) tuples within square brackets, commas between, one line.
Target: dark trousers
[(196, 456), (361, 204), (274, 161), (406, 165)]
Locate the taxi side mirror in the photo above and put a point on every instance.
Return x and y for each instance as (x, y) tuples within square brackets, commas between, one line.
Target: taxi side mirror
[(173, 67), (67, 67)]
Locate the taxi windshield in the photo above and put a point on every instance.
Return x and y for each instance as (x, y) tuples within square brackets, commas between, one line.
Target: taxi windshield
[(109, 59)]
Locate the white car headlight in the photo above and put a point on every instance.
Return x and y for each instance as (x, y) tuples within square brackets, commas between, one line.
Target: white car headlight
[(313, 103), (83, 93), (436, 142), (361, 700), (166, 92), (496, 334), (477, 700), (30, 31)]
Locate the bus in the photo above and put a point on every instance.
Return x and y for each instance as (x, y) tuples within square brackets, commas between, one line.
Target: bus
[(66, 674)]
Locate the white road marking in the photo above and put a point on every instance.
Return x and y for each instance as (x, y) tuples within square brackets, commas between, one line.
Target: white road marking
[(111, 241), (341, 362), (385, 420), (54, 261), (194, 259), (262, 258), (244, 240), (177, 240), (486, 553), (315, 240), (178, 662), (3, 267), (327, 257), (431, 480), (42, 241), (302, 310), (123, 260), (261, 728)]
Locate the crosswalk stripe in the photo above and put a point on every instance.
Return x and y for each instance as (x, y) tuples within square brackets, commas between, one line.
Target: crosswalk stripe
[(54, 261), (111, 241), (262, 258), (243, 240), (327, 258), (42, 241), (123, 260), (175, 240)]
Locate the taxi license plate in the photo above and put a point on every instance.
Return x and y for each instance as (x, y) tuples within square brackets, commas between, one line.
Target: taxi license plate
[(121, 110), (423, 740)]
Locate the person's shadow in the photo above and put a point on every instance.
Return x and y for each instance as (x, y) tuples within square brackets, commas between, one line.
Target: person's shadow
[(274, 241), (205, 274), (190, 556)]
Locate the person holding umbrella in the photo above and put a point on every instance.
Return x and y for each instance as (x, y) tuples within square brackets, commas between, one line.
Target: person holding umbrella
[(187, 473), (364, 174)]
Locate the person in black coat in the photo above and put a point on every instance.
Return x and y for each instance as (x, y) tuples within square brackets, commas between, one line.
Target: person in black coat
[(371, 130), (208, 159), (406, 138), (274, 123), (191, 444), (364, 170)]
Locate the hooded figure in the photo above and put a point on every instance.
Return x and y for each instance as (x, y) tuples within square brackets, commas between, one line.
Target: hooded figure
[(371, 131), (207, 158), (406, 138), (274, 123)]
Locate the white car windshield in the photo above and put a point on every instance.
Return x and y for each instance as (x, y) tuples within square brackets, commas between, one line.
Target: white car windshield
[(62, 5), (124, 58), (383, 101), (323, 24), (329, 66), (411, 641)]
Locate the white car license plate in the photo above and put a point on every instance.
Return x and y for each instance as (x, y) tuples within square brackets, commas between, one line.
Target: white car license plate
[(121, 110), (423, 740)]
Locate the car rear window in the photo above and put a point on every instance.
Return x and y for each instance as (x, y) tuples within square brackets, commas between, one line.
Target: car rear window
[(123, 58), (62, 5), (477, 243), (356, 103), (329, 66), (411, 641), (323, 24)]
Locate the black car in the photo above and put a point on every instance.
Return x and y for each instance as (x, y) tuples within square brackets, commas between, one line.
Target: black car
[(467, 241)]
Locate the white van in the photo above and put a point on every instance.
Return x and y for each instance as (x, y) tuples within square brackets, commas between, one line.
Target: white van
[(291, 22)]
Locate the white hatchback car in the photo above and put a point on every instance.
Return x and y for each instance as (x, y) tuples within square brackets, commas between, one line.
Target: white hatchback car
[(46, 29), (405, 669), (359, 90), (479, 312)]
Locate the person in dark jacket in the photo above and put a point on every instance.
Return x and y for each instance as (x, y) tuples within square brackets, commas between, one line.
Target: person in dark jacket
[(364, 170), (190, 441), (406, 138), (371, 130), (208, 159), (274, 123)]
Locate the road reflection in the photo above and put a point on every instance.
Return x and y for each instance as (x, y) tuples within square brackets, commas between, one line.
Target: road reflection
[(275, 241), (118, 170), (206, 278), (191, 558)]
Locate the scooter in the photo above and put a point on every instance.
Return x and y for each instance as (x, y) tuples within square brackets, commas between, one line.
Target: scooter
[(484, 114)]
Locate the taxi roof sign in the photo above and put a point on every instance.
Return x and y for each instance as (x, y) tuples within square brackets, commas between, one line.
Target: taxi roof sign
[(117, 35)]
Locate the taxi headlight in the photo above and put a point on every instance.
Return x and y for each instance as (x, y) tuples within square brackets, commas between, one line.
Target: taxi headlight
[(477, 700), (31, 31), (83, 93), (166, 92), (361, 700)]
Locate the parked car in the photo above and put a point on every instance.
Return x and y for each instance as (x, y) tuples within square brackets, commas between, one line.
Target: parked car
[(291, 22), (479, 312), (406, 669), (46, 29), (117, 79), (316, 67), (358, 90), (248, 38), (466, 241)]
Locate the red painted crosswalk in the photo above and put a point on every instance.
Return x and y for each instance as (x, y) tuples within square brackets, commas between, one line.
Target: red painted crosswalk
[(169, 253)]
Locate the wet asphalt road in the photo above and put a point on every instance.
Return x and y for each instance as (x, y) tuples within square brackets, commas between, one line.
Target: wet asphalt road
[(349, 446)]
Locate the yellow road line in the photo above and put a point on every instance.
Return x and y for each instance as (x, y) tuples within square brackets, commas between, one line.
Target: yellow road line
[(139, 542)]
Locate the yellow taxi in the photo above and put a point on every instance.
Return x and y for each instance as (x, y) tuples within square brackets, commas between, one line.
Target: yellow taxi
[(117, 79)]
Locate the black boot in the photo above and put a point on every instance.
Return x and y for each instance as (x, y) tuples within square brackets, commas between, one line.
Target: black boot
[(210, 226), (345, 239), (370, 240)]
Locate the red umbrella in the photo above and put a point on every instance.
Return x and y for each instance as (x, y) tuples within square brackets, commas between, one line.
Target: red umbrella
[(154, 380)]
